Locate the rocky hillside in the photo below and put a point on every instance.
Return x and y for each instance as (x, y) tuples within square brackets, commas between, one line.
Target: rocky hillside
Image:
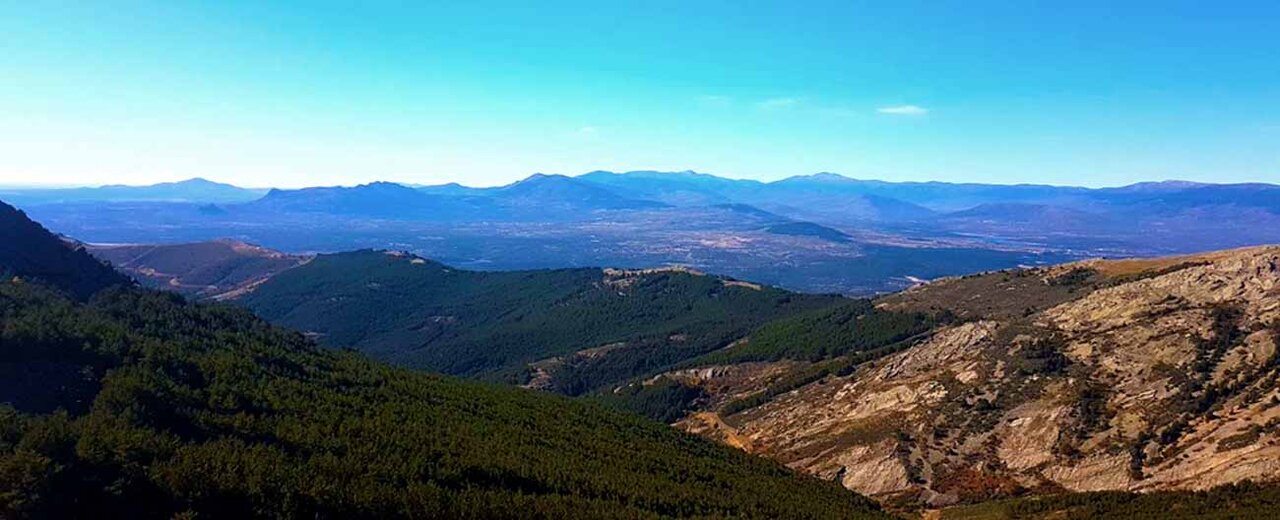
[(1132, 375)]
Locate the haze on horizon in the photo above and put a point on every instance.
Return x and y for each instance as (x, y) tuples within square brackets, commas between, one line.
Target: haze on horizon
[(304, 94)]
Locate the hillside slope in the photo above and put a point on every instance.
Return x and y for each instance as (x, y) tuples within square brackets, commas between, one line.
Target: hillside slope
[(27, 251), (603, 326), (217, 269), (137, 404), (1133, 375)]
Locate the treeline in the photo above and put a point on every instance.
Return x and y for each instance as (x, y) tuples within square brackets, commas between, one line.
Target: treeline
[(140, 405), (837, 339), (849, 327), (664, 400), (840, 367)]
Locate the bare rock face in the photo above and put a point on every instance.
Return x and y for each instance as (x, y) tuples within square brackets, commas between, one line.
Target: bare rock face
[(1128, 375)]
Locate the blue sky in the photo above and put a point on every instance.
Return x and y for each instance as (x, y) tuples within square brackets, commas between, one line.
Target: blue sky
[(483, 93)]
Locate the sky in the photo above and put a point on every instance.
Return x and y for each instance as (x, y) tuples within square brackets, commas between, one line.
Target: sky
[(292, 94)]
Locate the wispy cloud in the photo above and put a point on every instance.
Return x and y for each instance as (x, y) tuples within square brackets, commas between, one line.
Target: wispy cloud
[(587, 133), (778, 103), (903, 110), (714, 100)]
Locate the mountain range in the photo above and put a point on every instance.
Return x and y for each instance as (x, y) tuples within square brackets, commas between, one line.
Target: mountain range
[(878, 236), (190, 190)]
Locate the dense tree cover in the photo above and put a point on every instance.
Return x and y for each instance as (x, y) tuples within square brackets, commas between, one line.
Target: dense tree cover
[(165, 407), (848, 327), (837, 338), (28, 250), (491, 324), (1236, 502), (791, 382), (840, 367), (664, 399)]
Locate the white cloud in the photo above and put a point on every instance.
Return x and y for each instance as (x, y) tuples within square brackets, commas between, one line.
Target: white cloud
[(715, 101), (778, 103), (588, 131), (903, 110)]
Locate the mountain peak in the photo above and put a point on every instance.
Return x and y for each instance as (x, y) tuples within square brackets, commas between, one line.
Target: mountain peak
[(199, 181), (825, 177), (1167, 185), (542, 177), (383, 185)]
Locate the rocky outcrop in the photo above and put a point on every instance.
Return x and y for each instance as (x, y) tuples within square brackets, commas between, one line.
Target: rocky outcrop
[(1130, 375)]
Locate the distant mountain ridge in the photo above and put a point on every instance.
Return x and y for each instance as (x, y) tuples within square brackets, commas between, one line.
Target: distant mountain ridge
[(378, 199), (191, 190), (896, 231), (539, 196), (657, 185), (828, 194)]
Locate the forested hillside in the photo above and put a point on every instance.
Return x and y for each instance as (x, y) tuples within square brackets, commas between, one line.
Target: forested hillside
[(600, 326), (26, 249), (137, 404)]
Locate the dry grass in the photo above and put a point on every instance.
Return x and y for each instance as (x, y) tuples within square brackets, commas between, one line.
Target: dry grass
[(1132, 266)]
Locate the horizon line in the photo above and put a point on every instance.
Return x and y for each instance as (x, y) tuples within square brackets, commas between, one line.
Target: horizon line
[(42, 186)]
